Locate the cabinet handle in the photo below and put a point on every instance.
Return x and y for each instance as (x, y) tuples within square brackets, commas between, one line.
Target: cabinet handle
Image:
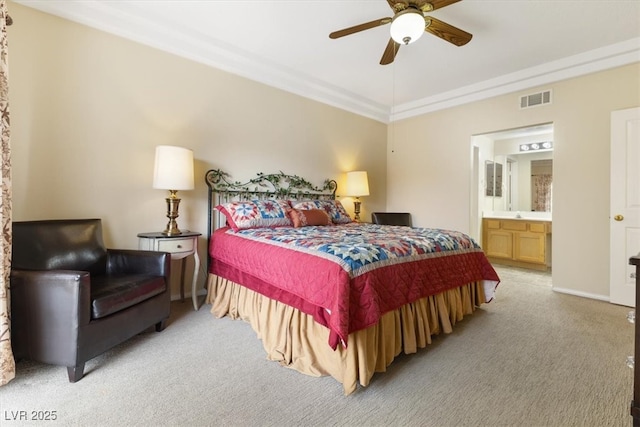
[(618, 217), (179, 246)]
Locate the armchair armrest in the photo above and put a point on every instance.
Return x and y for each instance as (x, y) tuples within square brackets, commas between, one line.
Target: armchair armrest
[(129, 261), (45, 306)]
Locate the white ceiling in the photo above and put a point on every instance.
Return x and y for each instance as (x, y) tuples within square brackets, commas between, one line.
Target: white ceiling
[(516, 44)]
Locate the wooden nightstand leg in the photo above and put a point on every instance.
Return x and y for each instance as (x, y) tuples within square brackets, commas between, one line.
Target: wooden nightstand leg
[(196, 270), (182, 280)]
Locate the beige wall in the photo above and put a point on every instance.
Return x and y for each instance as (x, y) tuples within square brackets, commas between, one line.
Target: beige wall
[(88, 109), (429, 170)]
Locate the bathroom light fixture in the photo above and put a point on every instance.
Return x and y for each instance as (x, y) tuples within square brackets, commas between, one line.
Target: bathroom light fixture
[(407, 26), (357, 186), (537, 146), (173, 171)]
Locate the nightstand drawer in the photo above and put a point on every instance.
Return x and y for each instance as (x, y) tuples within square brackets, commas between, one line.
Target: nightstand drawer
[(176, 245)]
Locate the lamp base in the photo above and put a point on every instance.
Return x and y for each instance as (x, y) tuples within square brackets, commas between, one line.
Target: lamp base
[(173, 202), (356, 210), (172, 230)]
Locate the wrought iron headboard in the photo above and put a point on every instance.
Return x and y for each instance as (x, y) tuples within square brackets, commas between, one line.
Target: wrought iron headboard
[(264, 186)]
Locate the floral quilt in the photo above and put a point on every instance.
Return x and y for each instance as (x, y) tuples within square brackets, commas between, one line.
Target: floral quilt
[(347, 276), (358, 246)]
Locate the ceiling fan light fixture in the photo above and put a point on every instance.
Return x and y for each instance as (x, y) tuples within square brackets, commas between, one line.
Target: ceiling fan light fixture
[(407, 26)]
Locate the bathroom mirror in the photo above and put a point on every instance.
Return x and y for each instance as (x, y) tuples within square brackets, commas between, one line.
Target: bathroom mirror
[(518, 169)]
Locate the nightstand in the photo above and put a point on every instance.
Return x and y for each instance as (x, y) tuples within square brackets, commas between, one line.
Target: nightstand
[(179, 246)]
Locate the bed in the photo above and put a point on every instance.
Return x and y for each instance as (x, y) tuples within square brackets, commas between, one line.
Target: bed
[(329, 296)]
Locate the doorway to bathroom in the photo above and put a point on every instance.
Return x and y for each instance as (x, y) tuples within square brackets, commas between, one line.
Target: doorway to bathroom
[(512, 196)]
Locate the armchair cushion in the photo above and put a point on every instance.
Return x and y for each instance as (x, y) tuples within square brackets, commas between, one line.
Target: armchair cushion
[(110, 294)]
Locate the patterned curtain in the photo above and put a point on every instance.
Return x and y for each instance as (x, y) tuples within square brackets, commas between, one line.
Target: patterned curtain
[(542, 188), (7, 363)]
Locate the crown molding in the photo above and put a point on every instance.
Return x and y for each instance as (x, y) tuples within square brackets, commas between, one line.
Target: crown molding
[(120, 19), (616, 55)]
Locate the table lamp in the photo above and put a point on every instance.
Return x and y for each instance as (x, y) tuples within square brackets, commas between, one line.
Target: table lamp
[(357, 186), (173, 171)]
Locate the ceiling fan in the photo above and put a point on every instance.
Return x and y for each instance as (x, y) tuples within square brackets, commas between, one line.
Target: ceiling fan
[(407, 25)]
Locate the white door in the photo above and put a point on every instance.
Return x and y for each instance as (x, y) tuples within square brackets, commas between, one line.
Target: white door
[(625, 204)]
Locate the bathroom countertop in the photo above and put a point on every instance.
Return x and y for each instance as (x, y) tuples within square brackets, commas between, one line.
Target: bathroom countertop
[(527, 216)]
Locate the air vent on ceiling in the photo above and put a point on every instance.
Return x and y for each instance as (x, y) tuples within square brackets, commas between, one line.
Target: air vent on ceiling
[(535, 99)]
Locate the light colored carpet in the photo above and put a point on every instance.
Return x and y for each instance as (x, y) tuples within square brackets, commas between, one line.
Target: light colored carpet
[(532, 357)]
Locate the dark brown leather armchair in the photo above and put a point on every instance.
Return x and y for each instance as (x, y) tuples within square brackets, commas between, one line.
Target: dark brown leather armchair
[(391, 218), (72, 299)]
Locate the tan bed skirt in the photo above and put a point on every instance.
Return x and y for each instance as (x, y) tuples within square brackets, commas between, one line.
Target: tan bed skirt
[(295, 340)]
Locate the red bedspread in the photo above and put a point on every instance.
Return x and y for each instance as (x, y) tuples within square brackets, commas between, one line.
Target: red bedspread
[(348, 276)]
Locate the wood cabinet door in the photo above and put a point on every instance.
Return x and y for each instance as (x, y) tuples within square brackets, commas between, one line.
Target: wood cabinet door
[(499, 244), (530, 247)]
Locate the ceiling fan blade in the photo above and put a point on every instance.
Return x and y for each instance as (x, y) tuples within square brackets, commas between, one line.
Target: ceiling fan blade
[(437, 4), (390, 52), (358, 28), (447, 32)]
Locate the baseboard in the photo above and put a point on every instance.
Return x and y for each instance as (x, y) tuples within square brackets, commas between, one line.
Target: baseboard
[(604, 298), (187, 295)]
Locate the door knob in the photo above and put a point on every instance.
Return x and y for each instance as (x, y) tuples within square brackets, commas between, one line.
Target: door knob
[(618, 217)]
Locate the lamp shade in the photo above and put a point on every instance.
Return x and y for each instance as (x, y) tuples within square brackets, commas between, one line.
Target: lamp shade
[(407, 26), (173, 168), (357, 184)]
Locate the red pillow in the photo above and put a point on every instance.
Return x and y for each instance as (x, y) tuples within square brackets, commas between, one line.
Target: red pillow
[(307, 217)]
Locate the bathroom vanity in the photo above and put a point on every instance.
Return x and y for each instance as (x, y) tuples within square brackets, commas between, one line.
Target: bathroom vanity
[(519, 242)]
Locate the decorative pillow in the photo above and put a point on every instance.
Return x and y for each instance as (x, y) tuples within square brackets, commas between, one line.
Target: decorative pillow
[(307, 217), (340, 215), (304, 205), (241, 215), (334, 208)]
